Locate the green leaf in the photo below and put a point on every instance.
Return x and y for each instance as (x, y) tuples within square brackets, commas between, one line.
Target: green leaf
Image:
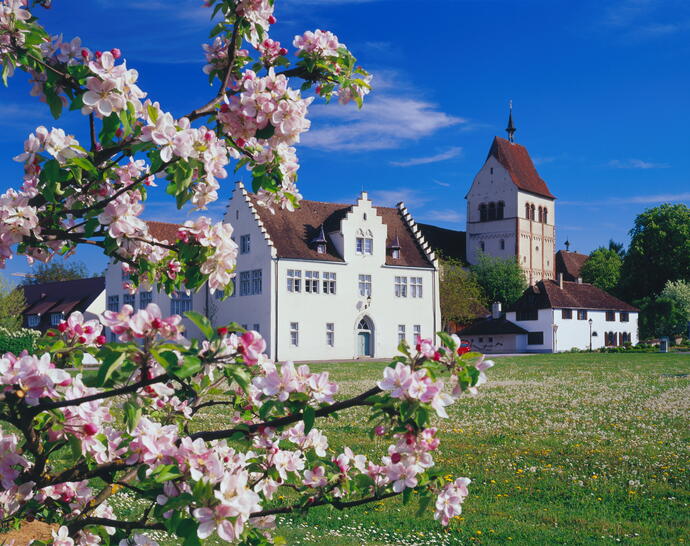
[(166, 473), (132, 414), (308, 416), (407, 495), (110, 126), (53, 101), (75, 446), (266, 132), (201, 322), (424, 503), (188, 529), (191, 365), (111, 362), (240, 375)]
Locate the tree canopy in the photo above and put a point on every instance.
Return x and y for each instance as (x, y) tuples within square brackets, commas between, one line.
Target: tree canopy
[(57, 271), (460, 294), (603, 268), (502, 280), (12, 304), (659, 251)]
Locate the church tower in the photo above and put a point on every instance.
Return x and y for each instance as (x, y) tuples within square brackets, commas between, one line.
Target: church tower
[(510, 210)]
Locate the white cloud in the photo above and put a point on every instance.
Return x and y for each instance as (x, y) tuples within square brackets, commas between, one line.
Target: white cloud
[(443, 156), (442, 184), (384, 122), (636, 164), (635, 199), (450, 216)]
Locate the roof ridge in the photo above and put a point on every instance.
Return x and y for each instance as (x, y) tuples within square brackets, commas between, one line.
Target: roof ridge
[(416, 233)]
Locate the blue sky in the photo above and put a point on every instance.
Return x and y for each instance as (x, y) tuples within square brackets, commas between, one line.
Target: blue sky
[(600, 92)]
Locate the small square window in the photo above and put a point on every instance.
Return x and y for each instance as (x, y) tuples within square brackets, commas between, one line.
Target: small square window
[(294, 334), (245, 244), (33, 321)]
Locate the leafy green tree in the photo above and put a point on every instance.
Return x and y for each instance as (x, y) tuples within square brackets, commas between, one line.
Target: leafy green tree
[(679, 292), (661, 316), (618, 248), (502, 280), (659, 251), (460, 294), (603, 269), (57, 271), (12, 303)]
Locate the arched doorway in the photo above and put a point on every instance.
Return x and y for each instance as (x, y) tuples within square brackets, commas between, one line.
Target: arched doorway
[(365, 337)]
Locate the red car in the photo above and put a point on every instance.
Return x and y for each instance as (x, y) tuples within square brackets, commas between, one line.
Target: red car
[(465, 347)]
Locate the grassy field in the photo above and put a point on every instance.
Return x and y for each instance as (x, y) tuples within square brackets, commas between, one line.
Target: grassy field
[(562, 449)]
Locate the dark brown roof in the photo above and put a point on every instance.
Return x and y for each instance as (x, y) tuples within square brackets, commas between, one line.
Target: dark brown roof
[(446, 242), (570, 264), (515, 158), (60, 297), (573, 295), (163, 231), (292, 231), (492, 326)]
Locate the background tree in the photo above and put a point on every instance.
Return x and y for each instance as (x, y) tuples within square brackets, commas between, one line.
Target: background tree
[(460, 294), (679, 293), (502, 280), (618, 248), (603, 268), (659, 251), (661, 316), (12, 304), (57, 271)]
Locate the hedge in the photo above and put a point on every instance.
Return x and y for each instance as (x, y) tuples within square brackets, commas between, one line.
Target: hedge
[(15, 341)]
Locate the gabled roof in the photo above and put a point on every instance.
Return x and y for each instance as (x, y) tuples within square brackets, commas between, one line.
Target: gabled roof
[(516, 160), (163, 231), (61, 297), (492, 326), (549, 295), (291, 232), (447, 242), (570, 264)]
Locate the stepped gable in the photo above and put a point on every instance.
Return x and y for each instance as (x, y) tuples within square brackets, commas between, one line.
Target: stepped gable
[(449, 243), (573, 295), (570, 264), (292, 231), (515, 158)]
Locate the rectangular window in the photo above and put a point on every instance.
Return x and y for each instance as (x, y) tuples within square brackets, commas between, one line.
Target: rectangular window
[(311, 282), (219, 294), (581, 314), (129, 299), (360, 245), (245, 244), (256, 328), (181, 303), (401, 333), (245, 283), (417, 332), (294, 280), (33, 320), (328, 283), (365, 285), (113, 303), (610, 316), (400, 287), (330, 334), (566, 313), (365, 245), (527, 314), (624, 317), (113, 337), (535, 338), (145, 298), (294, 334), (56, 318), (416, 287), (125, 275), (256, 282)]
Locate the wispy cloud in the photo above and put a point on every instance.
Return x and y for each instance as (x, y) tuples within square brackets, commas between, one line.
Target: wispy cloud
[(642, 19), (543, 160), (636, 164), (634, 199), (443, 156), (411, 197), (385, 122), (442, 184), (450, 216)]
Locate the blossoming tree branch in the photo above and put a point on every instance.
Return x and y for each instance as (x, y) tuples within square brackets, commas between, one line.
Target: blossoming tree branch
[(66, 449)]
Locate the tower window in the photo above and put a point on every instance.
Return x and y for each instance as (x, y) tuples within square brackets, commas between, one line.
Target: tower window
[(483, 215), (503, 244), (482, 246), (546, 218), (500, 210), (531, 212), (527, 211), (492, 170), (492, 211)]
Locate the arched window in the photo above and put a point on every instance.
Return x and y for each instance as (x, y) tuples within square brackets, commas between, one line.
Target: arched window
[(500, 210), (546, 217), (492, 211), (527, 210), (531, 212), (541, 215), (482, 212)]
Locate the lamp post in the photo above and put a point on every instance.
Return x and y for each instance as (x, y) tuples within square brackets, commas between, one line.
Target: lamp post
[(590, 335)]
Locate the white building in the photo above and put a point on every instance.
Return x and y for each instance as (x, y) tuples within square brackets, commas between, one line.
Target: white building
[(325, 282), (330, 281)]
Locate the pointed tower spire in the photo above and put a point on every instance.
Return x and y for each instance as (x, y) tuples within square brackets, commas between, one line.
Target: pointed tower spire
[(511, 128), (567, 245)]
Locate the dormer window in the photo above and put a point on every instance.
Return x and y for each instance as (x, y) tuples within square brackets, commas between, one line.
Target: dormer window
[(395, 247), (320, 241), (395, 253)]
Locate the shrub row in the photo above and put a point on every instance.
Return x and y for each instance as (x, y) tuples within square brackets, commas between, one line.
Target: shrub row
[(15, 341)]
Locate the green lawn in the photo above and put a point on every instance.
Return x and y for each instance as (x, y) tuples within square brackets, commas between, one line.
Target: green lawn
[(562, 449)]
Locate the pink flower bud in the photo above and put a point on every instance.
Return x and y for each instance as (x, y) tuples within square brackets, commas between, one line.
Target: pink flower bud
[(81, 339), (272, 20), (119, 132), (222, 331), (156, 323), (282, 51), (98, 54), (62, 327), (100, 340), (90, 429), (380, 430), (241, 142), (116, 53), (395, 458), (85, 53)]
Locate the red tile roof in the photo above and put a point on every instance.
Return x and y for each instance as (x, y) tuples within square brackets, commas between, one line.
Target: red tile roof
[(163, 231), (60, 297), (446, 242), (570, 264), (573, 295), (492, 326), (515, 158), (291, 232)]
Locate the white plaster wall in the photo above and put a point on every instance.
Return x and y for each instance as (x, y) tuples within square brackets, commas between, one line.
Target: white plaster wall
[(96, 308), (544, 323), (537, 240), (495, 344)]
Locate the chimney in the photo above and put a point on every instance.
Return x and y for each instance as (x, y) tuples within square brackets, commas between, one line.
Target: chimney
[(579, 280), (496, 310), (560, 280)]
